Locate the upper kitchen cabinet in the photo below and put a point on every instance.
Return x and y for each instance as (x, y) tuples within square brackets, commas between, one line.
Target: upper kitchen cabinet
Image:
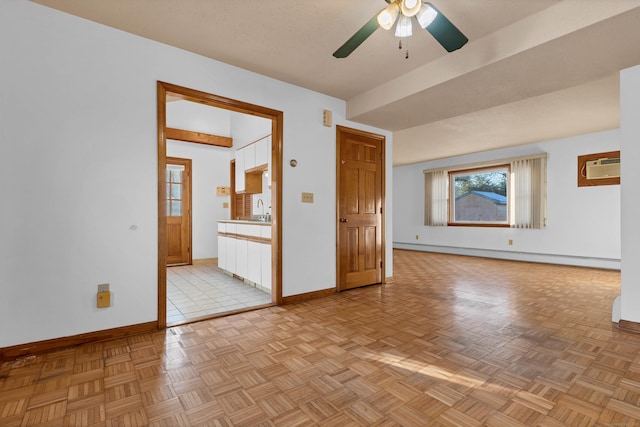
[(249, 156), (257, 154), (251, 161), (240, 167), (263, 151)]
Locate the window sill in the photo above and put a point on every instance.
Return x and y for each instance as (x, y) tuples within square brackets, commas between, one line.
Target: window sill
[(459, 224)]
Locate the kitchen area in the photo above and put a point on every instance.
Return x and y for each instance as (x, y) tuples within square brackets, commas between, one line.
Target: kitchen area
[(231, 215), (244, 241)]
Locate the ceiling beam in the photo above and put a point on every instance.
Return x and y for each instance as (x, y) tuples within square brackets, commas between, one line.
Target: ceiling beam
[(494, 52)]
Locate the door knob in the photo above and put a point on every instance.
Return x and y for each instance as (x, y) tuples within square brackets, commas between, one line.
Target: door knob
[(344, 220)]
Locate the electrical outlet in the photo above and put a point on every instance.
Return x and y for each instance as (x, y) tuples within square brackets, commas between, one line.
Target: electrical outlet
[(225, 205), (510, 242), (104, 299), (307, 197), (417, 237), (103, 288)]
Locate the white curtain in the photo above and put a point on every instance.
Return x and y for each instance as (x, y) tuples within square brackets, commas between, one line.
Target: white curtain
[(436, 204), (528, 192)]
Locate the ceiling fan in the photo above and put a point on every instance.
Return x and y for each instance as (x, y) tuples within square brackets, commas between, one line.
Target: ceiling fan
[(428, 17)]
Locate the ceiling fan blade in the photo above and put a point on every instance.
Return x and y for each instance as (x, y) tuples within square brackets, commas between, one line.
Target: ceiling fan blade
[(356, 40), (447, 34)]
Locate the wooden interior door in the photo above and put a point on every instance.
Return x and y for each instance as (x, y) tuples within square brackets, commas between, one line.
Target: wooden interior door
[(360, 172), (178, 182)]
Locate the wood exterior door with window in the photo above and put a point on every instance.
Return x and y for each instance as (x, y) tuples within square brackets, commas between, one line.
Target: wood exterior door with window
[(178, 195), (360, 172)]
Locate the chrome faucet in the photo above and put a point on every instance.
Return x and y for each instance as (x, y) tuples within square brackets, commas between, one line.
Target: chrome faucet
[(260, 202)]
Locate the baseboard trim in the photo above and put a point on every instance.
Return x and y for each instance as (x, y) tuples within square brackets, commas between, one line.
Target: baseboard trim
[(388, 279), (576, 261), (27, 349), (205, 261), (308, 296), (629, 326)]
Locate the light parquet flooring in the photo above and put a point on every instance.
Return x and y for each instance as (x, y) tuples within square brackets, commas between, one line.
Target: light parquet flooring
[(454, 341)]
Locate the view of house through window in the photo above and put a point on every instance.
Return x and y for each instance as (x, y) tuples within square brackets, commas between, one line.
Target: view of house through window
[(480, 196)]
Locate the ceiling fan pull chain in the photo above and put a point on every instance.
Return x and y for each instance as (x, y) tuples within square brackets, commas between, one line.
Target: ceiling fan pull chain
[(400, 44), (406, 55)]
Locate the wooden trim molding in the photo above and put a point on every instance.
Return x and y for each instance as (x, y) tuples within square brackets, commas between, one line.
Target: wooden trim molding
[(307, 296), (265, 240), (205, 261), (582, 164), (28, 349), (162, 205), (223, 314), (170, 92), (199, 137), (629, 326)]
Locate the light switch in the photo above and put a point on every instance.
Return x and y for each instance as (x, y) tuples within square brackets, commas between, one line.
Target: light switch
[(327, 118), (307, 197)]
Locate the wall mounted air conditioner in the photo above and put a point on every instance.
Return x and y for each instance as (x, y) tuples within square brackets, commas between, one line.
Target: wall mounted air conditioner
[(603, 168)]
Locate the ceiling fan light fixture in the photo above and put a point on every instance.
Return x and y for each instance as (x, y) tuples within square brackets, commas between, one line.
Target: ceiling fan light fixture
[(410, 7), (403, 27), (426, 15), (387, 17)]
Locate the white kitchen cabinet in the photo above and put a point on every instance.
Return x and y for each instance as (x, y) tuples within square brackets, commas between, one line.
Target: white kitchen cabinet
[(244, 256), (249, 156), (253, 265), (265, 232), (222, 252), (230, 249), (265, 266), (241, 257), (263, 151), (240, 167)]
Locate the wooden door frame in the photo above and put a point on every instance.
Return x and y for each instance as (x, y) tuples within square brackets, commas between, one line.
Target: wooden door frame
[(345, 130), (277, 120), (187, 164)]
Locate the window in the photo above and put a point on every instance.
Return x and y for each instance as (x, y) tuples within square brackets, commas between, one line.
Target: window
[(509, 192), (174, 189), (479, 196)]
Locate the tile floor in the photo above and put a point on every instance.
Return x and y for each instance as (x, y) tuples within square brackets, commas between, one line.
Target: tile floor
[(203, 289)]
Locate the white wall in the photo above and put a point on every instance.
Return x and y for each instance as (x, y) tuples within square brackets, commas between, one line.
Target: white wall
[(209, 169), (196, 117), (583, 226), (630, 177), (79, 150), (246, 129)]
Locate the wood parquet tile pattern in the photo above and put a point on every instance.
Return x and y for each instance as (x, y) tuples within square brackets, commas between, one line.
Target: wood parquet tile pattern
[(454, 341)]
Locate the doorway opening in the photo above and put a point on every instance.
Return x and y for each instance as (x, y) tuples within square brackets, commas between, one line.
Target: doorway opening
[(178, 203), (169, 92)]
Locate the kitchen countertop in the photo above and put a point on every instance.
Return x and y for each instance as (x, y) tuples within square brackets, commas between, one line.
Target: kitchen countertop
[(244, 221)]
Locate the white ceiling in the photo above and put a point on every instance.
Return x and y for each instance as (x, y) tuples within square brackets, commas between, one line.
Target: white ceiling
[(533, 70)]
